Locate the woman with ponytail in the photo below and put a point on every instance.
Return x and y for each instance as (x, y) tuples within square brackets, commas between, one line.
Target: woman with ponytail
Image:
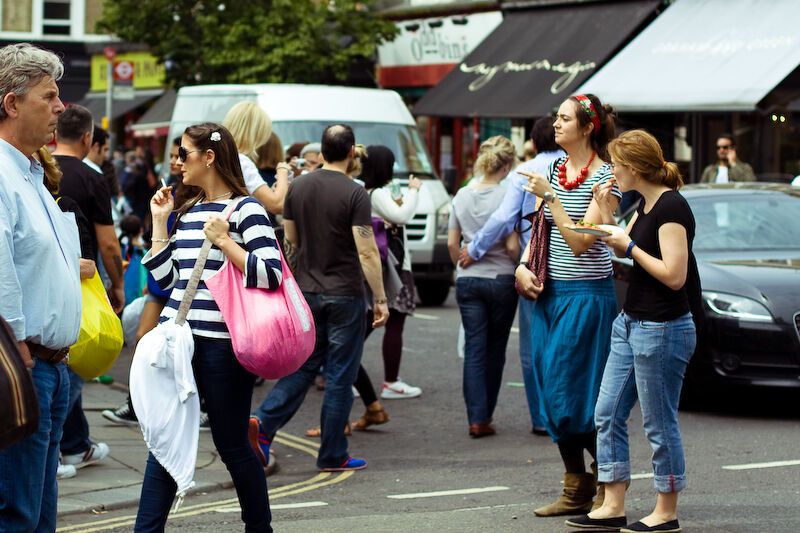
[(653, 337), (575, 305)]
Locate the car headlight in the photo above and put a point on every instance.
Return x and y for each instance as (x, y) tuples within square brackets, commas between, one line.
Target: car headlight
[(442, 220), (732, 306)]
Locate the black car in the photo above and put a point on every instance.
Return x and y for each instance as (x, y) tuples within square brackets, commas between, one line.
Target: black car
[(747, 245)]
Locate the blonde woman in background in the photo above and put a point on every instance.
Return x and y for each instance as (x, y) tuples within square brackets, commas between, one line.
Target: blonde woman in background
[(485, 291), (251, 128)]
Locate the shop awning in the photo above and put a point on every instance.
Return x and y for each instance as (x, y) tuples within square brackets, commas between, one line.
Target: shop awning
[(709, 55), (96, 103), (155, 120), (535, 59)]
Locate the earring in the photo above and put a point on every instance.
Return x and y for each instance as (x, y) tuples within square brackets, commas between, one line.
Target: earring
[(208, 165)]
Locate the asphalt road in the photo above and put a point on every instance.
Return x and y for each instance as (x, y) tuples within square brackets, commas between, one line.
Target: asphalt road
[(426, 474)]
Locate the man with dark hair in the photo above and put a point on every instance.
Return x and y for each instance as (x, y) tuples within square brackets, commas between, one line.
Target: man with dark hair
[(39, 269), (89, 190), (328, 225), (98, 151), (728, 168), (516, 210)]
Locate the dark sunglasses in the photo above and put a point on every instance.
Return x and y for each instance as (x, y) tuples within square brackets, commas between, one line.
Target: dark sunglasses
[(183, 153)]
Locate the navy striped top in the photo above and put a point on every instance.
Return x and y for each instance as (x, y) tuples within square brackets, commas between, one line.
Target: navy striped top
[(562, 264), (172, 266)]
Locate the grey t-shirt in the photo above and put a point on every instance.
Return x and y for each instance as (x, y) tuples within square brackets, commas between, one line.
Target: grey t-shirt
[(472, 207)]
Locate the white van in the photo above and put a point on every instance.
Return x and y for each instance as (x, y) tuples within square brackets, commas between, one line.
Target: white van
[(301, 112)]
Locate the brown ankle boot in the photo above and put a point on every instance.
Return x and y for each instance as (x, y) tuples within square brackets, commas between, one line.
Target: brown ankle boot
[(579, 489), (373, 416)]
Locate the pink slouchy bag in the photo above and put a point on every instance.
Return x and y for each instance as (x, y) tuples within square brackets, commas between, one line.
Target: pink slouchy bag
[(272, 332)]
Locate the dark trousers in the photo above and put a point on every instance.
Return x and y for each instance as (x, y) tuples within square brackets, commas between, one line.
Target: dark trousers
[(75, 438), (392, 352), (339, 321), (228, 391), (487, 311)]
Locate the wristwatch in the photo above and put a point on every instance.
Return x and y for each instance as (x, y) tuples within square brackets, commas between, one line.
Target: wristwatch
[(549, 197)]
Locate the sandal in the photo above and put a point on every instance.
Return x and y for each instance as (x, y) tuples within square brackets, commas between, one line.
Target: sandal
[(371, 417), (317, 432)]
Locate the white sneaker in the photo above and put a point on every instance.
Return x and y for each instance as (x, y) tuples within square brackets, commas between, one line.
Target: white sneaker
[(205, 425), (399, 390), (97, 452), (65, 471)]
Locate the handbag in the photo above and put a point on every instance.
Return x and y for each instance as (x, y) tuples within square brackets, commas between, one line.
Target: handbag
[(381, 238), (538, 248), (272, 331), (19, 416), (100, 339)]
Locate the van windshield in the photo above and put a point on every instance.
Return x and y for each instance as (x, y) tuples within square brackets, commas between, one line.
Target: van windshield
[(403, 140)]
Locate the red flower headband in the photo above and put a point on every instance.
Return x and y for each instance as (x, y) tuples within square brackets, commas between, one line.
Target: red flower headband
[(590, 110)]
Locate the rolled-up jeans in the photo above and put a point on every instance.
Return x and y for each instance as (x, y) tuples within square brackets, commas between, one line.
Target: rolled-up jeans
[(647, 361)]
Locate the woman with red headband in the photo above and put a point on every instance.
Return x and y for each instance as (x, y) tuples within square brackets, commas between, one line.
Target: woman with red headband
[(575, 305)]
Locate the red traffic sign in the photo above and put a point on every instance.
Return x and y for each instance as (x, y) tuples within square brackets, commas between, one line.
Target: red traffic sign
[(123, 70), (110, 53)]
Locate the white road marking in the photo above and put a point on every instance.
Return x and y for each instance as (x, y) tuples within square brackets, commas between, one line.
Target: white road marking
[(752, 466), (423, 316), (642, 476), (273, 507), (444, 493)]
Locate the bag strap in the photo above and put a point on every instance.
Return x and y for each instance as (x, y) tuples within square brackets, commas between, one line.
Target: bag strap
[(197, 272)]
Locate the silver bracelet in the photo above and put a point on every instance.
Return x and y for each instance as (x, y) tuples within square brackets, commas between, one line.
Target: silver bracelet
[(159, 240)]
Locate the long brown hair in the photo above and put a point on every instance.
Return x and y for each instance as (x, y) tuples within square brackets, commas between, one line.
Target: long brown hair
[(52, 172), (640, 152), (226, 160)]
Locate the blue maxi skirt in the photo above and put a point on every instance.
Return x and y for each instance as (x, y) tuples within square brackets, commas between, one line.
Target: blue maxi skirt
[(570, 341)]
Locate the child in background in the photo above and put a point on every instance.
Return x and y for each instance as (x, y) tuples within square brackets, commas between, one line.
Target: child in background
[(133, 250)]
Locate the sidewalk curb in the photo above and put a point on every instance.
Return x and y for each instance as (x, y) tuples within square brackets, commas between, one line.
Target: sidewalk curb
[(207, 487), (133, 502)]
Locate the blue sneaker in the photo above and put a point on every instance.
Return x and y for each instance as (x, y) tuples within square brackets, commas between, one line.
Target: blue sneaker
[(351, 464), (258, 440)]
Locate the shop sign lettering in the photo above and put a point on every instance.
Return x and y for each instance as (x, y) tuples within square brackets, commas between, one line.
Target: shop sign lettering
[(486, 73)]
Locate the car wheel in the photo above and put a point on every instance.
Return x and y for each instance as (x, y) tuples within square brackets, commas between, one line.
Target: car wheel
[(433, 293)]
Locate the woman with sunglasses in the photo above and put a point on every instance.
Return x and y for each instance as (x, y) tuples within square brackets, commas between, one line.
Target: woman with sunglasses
[(653, 337), (575, 305), (208, 159)]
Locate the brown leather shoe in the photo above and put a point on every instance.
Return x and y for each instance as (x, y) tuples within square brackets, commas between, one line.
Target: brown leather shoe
[(477, 431), (373, 416)]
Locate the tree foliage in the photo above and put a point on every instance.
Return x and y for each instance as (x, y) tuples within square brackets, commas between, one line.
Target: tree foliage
[(247, 41)]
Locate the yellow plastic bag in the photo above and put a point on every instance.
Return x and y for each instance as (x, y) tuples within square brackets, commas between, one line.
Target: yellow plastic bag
[(100, 339)]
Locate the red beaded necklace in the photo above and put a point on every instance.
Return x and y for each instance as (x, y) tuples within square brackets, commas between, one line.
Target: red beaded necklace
[(573, 184)]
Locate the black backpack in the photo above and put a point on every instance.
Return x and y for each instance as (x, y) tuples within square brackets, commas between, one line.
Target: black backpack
[(19, 416)]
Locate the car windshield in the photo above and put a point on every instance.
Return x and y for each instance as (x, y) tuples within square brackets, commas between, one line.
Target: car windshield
[(746, 222), (403, 140)]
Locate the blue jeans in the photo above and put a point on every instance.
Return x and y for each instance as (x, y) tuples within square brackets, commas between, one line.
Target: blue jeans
[(487, 311), (227, 389), (647, 361), (340, 326), (28, 490), (526, 361), (75, 439)]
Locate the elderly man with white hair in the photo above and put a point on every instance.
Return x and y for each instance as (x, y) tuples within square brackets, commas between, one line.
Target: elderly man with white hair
[(39, 280)]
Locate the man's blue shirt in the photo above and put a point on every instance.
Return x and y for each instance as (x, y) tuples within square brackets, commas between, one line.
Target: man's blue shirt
[(40, 289), (516, 203)]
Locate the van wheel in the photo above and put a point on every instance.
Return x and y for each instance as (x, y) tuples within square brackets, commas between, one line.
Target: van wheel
[(433, 293)]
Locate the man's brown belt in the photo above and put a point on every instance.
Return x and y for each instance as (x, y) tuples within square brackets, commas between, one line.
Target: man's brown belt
[(47, 354)]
